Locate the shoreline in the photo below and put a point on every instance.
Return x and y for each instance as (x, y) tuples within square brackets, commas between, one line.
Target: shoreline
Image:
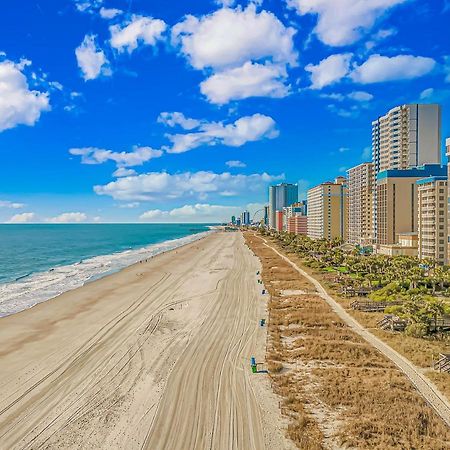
[(164, 345), (158, 248)]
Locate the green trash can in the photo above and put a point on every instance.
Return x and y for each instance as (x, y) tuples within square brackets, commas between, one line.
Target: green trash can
[(254, 370)]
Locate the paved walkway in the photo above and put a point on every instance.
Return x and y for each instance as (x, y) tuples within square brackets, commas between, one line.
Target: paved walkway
[(437, 400)]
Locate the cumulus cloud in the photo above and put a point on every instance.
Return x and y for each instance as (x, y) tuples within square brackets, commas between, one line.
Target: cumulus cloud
[(93, 155), (19, 105), (87, 6), (109, 13), (380, 68), (139, 30), (123, 172), (330, 70), (165, 186), (343, 22), (246, 129), (22, 218), (236, 164), (229, 38), (197, 213), (358, 96), (172, 119), (11, 205), (252, 59), (70, 217), (249, 80), (91, 60)]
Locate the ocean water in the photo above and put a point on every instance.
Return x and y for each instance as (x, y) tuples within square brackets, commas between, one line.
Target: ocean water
[(38, 262)]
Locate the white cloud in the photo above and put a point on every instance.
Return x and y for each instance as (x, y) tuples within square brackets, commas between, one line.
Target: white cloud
[(123, 172), (87, 6), (367, 154), (140, 30), (172, 119), (18, 104), (384, 68), (229, 38), (249, 80), (129, 205), (246, 129), (22, 218), (12, 205), (197, 213), (237, 164), (447, 68), (225, 3), (343, 149), (426, 93), (91, 60), (343, 22), (164, 186), (93, 155), (109, 13), (70, 217), (360, 96), (330, 70)]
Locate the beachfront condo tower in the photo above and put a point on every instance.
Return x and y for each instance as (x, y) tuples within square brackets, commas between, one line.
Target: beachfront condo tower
[(432, 218), (397, 205), (327, 210), (281, 196), (360, 183), (407, 136)]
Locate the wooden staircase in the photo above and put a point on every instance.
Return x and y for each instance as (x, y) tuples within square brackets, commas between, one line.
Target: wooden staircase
[(443, 363)]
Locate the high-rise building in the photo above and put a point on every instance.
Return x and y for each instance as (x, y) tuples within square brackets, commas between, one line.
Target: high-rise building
[(233, 220), (360, 204), (280, 196), (447, 145), (266, 216), (297, 224), (396, 193), (407, 136), (279, 221), (245, 218), (432, 218), (327, 210)]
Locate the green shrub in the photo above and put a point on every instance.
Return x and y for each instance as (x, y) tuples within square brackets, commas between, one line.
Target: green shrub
[(417, 330)]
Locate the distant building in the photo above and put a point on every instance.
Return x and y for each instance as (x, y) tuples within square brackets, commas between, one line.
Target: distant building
[(360, 204), (245, 218), (407, 246), (397, 201), (280, 196), (432, 218), (447, 144), (266, 216), (233, 220), (327, 210), (297, 224), (279, 221), (238, 222)]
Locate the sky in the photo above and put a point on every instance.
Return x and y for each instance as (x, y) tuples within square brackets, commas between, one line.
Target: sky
[(186, 111)]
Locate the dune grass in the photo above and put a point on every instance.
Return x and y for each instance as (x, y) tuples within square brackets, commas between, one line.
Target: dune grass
[(337, 390)]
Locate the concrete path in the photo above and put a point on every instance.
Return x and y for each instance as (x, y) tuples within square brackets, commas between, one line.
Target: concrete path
[(427, 389)]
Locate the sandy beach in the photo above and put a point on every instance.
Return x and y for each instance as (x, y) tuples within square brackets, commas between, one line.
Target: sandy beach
[(153, 357)]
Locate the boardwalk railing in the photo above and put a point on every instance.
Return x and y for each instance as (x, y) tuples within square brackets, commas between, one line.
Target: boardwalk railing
[(443, 363)]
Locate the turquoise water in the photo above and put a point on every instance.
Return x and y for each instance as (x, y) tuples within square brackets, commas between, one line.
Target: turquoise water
[(38, 262)]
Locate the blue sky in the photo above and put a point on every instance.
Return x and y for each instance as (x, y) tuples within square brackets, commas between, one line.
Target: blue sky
[(133, 110)]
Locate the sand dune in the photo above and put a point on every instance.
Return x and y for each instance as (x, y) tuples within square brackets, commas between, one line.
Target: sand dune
[(154, 357)]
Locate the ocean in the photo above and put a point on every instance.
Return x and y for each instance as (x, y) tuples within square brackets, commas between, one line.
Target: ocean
[(38, 262)]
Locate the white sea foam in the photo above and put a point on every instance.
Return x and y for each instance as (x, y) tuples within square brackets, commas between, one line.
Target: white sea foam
[(39, 287)]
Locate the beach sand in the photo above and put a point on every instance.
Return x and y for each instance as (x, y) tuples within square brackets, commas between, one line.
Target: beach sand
[(156, 356)]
